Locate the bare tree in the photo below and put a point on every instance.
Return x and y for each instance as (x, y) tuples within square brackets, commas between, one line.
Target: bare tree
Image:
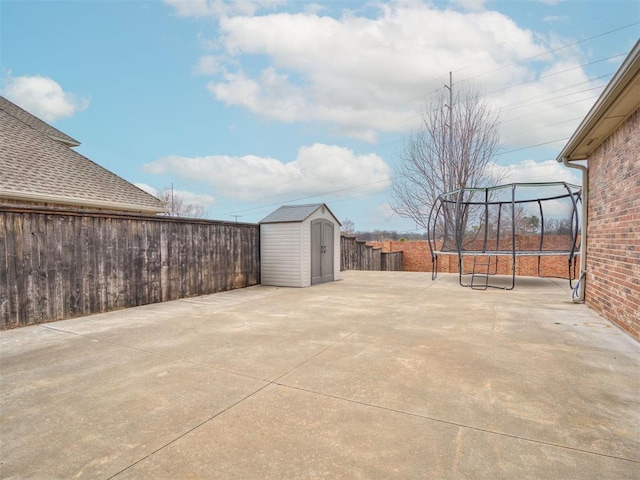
[(176, 206), (348, 227), (452, 150)]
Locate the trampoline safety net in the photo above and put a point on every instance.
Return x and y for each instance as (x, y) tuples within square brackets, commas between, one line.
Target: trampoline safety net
[(518, 219)]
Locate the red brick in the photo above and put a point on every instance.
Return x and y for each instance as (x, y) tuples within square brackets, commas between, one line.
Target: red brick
[(613, 240)]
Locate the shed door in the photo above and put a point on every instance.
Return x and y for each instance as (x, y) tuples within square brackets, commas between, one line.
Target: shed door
[(321, 251)]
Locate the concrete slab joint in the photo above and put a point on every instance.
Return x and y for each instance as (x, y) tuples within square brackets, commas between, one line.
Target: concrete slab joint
[(381, 375)]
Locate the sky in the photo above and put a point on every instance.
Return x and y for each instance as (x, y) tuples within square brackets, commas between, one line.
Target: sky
[(247, 105)]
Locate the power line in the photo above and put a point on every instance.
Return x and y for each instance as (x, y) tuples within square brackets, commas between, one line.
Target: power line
[(320, 194), (360, 186), (513, 107), (532, 146), (543, 99), (487, 94), (557, 73), (553, 50), (520, 62), (516, 106), (575, 119), (553, 108)]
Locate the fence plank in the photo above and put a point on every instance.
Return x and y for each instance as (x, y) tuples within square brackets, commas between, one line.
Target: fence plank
[(357, 255), (4, 272), (57, 264)]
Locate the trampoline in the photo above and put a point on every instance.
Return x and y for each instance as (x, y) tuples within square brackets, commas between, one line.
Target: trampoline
[(479, 226)]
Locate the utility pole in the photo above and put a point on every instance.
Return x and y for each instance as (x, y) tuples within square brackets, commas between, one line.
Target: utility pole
[(450, 125), (236, 217), (173, 205), (450, 113)]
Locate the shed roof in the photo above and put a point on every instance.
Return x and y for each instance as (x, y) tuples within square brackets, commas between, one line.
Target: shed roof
[(619, 99), (295, 213), (36, 168)]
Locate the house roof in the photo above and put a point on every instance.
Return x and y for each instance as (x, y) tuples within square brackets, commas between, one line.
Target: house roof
[(34, 122), (295, 213), (36, 168), (619, 99)]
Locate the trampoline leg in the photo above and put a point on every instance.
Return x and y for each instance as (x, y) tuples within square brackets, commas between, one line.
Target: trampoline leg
[(434, 268), (513, 275)]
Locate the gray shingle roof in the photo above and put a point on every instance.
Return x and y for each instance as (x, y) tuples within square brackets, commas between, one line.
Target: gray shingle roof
[(294, 213), (33, 121), (37, 168)]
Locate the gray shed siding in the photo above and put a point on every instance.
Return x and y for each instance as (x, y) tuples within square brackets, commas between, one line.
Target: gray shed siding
[(285, 251), (281, 254)]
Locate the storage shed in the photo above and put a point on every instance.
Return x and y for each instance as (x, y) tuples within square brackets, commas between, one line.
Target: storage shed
[(300, 246)]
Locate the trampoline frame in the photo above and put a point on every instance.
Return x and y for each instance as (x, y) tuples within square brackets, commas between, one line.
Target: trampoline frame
[(574, 192)]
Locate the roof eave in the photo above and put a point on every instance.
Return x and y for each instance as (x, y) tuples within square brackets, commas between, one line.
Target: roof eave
[(620, 84), (70, 142), (317, 205), (79, 202)]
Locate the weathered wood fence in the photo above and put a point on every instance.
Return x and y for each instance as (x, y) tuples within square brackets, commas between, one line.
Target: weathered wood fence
[(357, 255), (391, 261), (57, 264)]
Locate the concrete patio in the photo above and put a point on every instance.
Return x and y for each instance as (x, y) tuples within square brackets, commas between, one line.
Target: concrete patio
[(380, 375)]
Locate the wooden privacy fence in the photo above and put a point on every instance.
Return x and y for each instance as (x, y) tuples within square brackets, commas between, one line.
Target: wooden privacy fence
[(357, 255), (391, 261), (57, 264)]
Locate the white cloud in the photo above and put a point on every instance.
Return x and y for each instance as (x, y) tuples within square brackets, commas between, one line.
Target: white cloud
[(313, 8), (530, 171), (469, 4), (207, 65), (318, 169), (201, 199), (218, 8), (366, 75), (147, 188), (196, 198), (385, 211), (272, 93), (43, 97), (549, 108)]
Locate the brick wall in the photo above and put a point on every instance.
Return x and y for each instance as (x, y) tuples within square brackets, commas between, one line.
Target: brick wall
[(417, 258), (613, 236)]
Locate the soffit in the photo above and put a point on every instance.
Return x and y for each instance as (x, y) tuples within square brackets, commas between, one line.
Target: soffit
[(620, 98)]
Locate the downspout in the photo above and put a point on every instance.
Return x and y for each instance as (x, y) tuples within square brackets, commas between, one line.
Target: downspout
[(583, 230)]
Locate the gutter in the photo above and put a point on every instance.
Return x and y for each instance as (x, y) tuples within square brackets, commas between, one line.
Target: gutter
[(69, 143), (623, 84), (36, 197), (579, 297)]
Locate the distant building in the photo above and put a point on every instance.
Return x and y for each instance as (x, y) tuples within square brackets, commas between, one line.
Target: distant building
[(608, 143), (38, 166)]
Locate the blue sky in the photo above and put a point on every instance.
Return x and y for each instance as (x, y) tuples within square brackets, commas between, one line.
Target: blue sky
[(248, 105)]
